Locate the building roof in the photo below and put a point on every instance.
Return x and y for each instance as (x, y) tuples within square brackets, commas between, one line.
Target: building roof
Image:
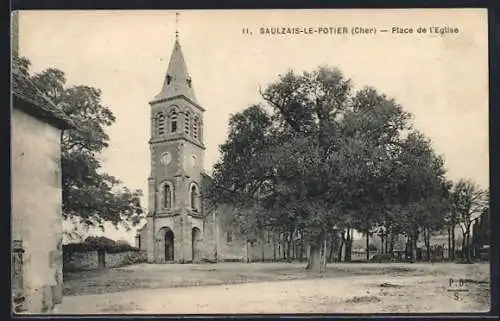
[(27, 97), (177, 80)]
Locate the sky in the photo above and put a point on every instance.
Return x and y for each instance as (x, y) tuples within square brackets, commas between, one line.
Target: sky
[(442, 79)]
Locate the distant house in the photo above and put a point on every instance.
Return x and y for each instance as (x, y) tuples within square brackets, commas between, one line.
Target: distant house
[(37, 125)]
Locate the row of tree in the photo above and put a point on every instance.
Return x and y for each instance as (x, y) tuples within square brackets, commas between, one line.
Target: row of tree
[(321, 160)]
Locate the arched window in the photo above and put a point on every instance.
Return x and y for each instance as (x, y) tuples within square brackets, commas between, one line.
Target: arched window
[(196, 128), (167, 196), (173, 121), (187, 123), (193, 194), (160, 124)]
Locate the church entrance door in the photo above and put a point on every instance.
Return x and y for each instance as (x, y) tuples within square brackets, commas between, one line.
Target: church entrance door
[(196, 241), (169, 245)]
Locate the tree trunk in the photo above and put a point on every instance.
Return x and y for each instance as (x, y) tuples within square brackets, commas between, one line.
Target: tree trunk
[(464, 255), (385, 246), (408, 250), (284, 246), (414, 249), (332, 247), (391, 243), (289, 245), (342, 241), (348, 246), (315, 262), (449, 243), (427, 240), (274, 248), (248, 256), (324, 252), (367, 246), (382, 238), (467, 248), (301, 249), (452, 257)]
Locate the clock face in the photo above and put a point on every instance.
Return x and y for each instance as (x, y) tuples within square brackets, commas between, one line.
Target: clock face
[(166, 158)]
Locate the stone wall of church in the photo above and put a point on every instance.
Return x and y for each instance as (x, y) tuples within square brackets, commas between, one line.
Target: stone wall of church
[(229, 246), (37, 209)]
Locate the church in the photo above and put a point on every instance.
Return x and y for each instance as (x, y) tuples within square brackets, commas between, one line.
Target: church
[(180, 226)]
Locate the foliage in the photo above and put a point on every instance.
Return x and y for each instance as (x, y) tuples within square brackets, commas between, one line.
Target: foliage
[(468, 202), (320, 155), (88, 194), (97, 243)]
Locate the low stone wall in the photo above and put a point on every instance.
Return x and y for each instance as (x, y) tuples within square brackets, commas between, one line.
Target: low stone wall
[(80, 261), (124, 258)]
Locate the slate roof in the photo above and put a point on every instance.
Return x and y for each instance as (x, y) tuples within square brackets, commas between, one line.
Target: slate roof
[(27, 97), (177, 80)]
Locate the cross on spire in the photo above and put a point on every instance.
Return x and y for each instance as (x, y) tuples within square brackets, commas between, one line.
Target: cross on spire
[(176, 25)]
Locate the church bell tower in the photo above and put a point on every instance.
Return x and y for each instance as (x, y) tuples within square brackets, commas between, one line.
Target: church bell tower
[(174, 222)]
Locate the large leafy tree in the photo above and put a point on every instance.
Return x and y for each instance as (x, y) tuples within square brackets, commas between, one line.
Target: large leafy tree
[(319, 156), (89, 195)]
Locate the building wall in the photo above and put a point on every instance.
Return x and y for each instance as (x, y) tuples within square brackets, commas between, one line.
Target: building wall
[(37, 208)]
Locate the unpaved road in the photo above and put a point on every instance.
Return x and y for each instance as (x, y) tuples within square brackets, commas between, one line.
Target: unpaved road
[(356, 294)]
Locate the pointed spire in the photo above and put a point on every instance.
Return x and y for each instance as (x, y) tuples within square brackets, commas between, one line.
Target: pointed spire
[(177, 81)]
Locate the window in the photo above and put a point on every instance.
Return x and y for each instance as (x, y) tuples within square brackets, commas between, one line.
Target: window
[(173, 122), (193, 198), (229, 237), (187, 123), (196, 126), (189, 81), (167, 196), (138, 241), (160, 124), (169, 79)]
